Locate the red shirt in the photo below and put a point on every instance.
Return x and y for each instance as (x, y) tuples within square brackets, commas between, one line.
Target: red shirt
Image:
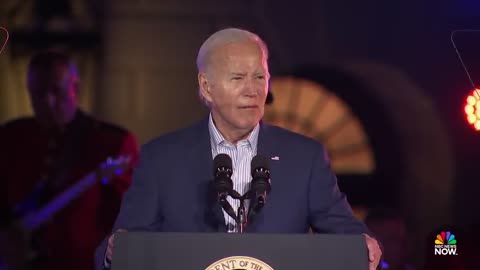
[(30, 154)]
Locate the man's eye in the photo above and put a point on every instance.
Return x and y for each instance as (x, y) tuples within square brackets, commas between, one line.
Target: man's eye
[(236, 78)]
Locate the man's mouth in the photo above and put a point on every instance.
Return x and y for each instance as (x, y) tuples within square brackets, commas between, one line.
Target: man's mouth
[(249, 107)]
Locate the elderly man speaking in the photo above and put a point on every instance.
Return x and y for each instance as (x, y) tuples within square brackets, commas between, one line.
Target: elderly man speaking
[(233, 80)]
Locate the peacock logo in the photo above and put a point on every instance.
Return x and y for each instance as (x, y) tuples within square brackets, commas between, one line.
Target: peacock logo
[(445, 244)]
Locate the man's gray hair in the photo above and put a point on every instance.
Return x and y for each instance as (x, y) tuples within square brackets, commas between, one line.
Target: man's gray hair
[(220, 39), (225, 37)]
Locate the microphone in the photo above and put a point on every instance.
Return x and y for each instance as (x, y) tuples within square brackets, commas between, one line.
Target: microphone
[(261, 185), (222, 172)]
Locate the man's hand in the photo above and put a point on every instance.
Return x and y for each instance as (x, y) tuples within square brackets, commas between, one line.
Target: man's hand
[(374, 252), (111, 240)]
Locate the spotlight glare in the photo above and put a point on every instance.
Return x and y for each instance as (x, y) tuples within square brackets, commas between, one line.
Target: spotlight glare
[(469, 109), (471, 100), (476, 93), (472, 109), (471, 118)]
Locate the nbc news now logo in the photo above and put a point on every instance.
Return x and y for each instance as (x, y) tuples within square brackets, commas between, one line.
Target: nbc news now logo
[(446, 244)]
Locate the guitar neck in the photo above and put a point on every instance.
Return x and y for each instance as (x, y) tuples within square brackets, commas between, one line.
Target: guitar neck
[(35, 219)]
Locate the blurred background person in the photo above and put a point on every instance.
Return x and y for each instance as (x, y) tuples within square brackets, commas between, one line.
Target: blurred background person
[(44, 155)]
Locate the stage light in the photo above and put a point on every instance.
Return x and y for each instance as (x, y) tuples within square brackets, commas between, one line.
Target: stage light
[(471, 119), (477, 125), (472, 109)]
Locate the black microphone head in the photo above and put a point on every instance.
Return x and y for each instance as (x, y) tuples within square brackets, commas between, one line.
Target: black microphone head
[(261, 174), (259, 162), (221, 161), (222, 173)]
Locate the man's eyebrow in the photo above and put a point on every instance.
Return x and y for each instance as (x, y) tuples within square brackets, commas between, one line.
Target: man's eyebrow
[(238, 73)]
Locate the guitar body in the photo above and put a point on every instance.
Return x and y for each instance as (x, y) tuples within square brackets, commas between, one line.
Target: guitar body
[(21, 243), (29, 154)]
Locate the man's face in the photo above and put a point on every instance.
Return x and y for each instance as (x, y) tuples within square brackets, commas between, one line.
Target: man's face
[(235, 85), (53, 94)]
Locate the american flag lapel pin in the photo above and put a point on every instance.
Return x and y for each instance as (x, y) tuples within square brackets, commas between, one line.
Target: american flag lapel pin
[(275, 158)]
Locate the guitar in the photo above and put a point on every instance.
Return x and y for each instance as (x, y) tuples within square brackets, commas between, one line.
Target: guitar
[(18, 252), (104, 174)]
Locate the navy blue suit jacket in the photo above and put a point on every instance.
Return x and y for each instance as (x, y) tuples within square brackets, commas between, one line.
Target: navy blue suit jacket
[(172, 187)]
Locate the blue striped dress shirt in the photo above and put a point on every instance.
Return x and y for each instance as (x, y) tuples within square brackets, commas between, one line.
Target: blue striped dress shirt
[(241, 153)]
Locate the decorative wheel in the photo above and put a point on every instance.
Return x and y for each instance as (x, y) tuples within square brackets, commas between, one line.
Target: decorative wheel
[(310, 109)]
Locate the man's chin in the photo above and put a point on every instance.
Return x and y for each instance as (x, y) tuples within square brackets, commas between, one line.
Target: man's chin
[(250, 123)]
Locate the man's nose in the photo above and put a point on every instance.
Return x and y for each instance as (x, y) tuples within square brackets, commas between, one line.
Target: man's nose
[(250, 88)]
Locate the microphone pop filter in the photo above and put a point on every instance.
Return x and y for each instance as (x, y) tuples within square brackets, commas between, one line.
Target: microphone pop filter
[(221, 160), (259, 161)]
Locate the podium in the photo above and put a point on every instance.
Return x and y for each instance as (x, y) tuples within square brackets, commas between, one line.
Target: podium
[(224, 251)]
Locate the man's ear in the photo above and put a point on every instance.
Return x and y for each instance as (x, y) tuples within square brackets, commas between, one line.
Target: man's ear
[(204, 87)]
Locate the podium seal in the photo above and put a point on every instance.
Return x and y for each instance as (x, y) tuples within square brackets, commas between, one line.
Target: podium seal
[(239, 263)]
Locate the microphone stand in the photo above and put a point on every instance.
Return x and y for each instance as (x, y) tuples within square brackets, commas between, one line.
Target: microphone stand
[(227, 207), (241, 216)]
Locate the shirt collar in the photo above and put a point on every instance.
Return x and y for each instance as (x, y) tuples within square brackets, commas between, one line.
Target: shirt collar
[(216, 138)]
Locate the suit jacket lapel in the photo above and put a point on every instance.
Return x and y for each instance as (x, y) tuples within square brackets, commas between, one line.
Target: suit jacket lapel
[(266, 147), (266, 142), (203, 170)]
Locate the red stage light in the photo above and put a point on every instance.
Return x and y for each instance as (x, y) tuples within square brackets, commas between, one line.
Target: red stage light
[(472, 109)]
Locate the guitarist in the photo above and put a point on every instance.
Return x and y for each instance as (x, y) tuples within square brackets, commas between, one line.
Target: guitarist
[(42, 156)]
